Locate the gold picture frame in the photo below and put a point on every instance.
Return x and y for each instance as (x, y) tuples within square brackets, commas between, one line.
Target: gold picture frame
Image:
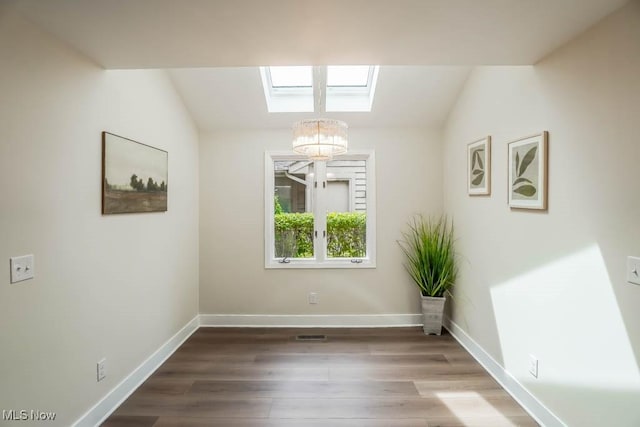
[(479, 167), (528, 172)]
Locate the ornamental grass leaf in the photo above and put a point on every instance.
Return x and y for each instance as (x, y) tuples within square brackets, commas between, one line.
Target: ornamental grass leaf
[(429, 254)]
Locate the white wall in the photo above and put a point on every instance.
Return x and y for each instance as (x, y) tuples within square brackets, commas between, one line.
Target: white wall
[(106, 286), (553, 284), (233, 279)]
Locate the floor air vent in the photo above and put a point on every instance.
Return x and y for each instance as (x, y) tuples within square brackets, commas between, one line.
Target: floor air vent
[(311, 337)]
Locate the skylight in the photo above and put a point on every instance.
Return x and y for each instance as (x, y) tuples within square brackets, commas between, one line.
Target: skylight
[(351, 88), (334, 88), (348, 75), (288, 89), (283, 77)]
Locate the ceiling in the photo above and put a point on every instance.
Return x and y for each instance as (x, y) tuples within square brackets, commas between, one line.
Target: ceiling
[(220, 33), (234, 98), (426, 48)]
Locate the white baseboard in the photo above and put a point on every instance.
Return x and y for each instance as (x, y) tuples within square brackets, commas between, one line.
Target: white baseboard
[(311, 320), (99, 412), (533, 406)]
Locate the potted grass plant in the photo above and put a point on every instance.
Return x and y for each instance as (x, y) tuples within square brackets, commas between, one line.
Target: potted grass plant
[(431, 262)]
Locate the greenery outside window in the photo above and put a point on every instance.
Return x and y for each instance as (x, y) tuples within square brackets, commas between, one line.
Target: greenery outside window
[(320, 214)]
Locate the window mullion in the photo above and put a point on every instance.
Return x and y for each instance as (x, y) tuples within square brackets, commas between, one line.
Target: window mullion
[(319, 89), (319, 211)]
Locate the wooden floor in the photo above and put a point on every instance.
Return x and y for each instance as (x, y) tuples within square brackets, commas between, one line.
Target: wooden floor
[(356, 377)]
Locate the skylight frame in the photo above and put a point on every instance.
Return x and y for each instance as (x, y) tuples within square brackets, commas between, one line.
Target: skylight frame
[(308, 68), (320, 97), (287, 99), (370, 74), (356, 90), (353, 98)]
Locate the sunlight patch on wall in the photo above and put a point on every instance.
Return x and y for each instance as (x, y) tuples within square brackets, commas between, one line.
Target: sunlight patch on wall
[(565, 314)]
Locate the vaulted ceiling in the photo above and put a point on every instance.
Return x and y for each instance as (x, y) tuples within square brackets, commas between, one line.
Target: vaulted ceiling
[(425, 47), (234, 98)]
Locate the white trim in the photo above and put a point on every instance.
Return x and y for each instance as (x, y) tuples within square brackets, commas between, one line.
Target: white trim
[(311, 263), (311, 320), (528, 401), (109, 403)]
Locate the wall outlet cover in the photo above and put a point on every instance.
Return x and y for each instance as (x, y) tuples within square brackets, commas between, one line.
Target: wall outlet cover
[(533, 365), (633, 270), (313, 298), (22, 268), (101, 368)]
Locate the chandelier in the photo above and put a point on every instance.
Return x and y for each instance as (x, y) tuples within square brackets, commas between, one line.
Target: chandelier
[(320, 139)]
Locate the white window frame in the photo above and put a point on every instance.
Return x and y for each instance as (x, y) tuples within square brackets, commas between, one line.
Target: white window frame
[(286, 99), (320, 259), (353, 98), (319, 97)]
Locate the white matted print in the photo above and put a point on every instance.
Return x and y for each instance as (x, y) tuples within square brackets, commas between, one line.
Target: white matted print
[(528, 172), (479, 167)]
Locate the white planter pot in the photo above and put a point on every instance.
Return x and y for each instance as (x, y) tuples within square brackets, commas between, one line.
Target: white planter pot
[(432, 312)]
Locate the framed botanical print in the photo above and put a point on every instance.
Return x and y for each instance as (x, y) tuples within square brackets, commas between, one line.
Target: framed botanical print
[(479, 167), (528, 176)]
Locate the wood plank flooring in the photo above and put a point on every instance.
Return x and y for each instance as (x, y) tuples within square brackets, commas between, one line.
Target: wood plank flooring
[(378, 377)]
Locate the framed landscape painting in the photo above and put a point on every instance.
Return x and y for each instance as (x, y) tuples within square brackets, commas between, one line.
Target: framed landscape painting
[(134, 176), (528, 177), (479, 167)]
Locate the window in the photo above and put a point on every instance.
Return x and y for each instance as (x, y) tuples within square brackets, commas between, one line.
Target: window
[(291, 77), (288, 89), (349, 76), (351, 88), (333, 88), (320, 214)]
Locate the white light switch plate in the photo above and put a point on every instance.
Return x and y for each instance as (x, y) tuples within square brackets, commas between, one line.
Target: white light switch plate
[(101, 369), (633, 270), (533, 365), (22, 268), (313, 298)]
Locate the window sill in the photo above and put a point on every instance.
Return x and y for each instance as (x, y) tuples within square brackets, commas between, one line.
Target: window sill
[(303, 264)]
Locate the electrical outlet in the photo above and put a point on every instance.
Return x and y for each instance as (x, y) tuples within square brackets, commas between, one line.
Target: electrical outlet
[(22, 268), (533, 365), (313, 298), (633, 270), (102, 369)]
